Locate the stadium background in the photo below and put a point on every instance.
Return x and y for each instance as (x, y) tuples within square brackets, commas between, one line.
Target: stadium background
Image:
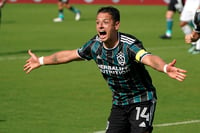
[(128, 2)]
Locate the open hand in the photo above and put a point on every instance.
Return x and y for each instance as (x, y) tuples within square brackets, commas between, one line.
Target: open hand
[(174, 72), (31, 63)]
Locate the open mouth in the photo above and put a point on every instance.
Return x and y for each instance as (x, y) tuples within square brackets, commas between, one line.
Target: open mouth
[(102, 33)]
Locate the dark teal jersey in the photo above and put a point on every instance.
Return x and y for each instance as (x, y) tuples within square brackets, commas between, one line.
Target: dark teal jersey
[(121, 67)]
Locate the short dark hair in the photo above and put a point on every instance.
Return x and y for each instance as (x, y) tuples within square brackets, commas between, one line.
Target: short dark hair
[(114, 12)]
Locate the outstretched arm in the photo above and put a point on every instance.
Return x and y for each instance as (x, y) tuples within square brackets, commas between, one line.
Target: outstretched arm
[(57, 58), (158, 64)]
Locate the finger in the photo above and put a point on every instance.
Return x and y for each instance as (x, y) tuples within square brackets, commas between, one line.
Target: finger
[(181, 70), (30, 53), (27, 64), (27, 61), (173, 62), (26, 68), (29, 70), (181, 80), (181, 77)]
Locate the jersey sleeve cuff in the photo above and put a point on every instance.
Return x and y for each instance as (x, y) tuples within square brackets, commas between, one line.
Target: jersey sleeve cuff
[(141, 54)]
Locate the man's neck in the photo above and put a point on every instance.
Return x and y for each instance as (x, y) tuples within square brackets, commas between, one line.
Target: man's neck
[(112, 43)]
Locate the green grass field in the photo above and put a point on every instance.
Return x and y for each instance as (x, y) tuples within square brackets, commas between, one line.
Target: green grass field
[(74, 98)]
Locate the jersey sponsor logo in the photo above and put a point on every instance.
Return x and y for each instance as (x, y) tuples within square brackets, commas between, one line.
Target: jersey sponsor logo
[(113, 69)]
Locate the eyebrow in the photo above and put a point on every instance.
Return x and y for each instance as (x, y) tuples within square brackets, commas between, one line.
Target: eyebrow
[(104, 19)]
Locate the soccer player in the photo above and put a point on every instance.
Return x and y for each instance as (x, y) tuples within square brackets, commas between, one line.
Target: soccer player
[(186, 19), (195, 35), (173, 7), (121, 59), (65, 4)]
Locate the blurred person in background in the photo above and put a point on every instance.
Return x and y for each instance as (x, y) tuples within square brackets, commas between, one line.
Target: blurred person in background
[(2, 3), (195, 35), (186, 22), (65, 4), (173, 7)]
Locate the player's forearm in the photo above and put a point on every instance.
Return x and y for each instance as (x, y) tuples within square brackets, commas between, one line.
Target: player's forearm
[(155, 62), (60, 57)]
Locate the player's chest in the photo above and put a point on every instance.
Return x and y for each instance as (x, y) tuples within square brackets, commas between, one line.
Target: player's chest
[(115, 57)]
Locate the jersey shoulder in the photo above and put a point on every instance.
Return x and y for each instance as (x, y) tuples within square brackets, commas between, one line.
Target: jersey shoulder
[(128, 38)]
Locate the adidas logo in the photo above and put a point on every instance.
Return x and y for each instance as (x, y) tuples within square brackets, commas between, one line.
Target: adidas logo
[(98, 57), (142, 124)]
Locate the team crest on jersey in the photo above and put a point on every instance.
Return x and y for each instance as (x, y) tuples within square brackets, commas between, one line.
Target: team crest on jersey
[(121, 58)]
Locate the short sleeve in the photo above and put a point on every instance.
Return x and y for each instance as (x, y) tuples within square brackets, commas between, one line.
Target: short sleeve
[(85, 52), (138, 51)]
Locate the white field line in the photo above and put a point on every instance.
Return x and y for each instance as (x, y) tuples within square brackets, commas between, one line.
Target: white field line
[(13, 58), (168, 124), (177, 123), (100, 132)]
